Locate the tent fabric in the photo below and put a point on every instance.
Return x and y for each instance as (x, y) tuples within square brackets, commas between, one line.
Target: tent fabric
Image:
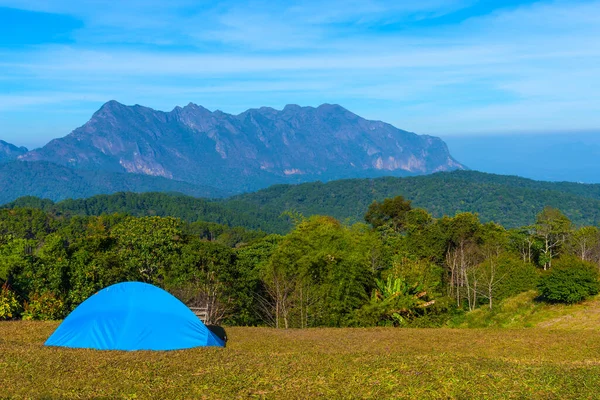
[(132, 316)]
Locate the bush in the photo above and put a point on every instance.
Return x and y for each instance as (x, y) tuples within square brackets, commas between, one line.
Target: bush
[(570, 280), (9, 305), (44, 307), (516, 277)]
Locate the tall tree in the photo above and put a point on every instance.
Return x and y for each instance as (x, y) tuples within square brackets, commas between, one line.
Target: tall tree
[(553, 228), (462, 255), (320, 273), (389, 211), (487, 275), (255, 306), (585, 243), (524, 241), (205, 276)]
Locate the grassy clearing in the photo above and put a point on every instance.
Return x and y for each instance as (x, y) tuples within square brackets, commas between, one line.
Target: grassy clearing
[(328, 363), (522, 311)]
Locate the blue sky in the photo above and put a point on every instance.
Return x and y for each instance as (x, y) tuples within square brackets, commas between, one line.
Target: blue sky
[(442, 67)]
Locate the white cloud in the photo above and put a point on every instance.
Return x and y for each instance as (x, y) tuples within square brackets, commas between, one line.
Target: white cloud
[(25, 100), (527, 67)]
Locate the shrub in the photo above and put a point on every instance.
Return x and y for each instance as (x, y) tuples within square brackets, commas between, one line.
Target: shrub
[(516, 277), (9, 305), (570, 280), (394, 302), (44, 307)]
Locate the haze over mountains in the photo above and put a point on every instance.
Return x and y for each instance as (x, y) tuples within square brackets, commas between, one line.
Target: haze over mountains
[(551, 156), (231, 153)]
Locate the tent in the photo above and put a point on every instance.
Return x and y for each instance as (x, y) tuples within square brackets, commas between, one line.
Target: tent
[(132, 316)]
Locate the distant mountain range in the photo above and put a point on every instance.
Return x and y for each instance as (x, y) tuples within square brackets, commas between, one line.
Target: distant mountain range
[(508, 200), (231, 153), (193, 151)]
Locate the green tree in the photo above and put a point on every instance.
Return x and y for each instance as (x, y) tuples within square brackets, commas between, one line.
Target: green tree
[(569, 281), (94, 262), (204, 275), (319, 273), (585, 243), (553, 228), (462, 255), (147, 246), (389, 211), (485, 276), (9, 304), (424, 237), (51, 272), (27, 223), (516, 277), (524, 242), (17, 263), (254, 305)]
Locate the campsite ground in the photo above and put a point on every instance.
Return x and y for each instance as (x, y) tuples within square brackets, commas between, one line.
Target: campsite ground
[(331, 363)]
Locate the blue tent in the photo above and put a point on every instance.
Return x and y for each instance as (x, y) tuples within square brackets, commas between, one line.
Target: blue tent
[(132, 316)]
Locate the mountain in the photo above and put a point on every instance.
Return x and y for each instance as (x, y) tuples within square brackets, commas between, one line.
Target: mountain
[(251, 150), (508, 200), (10, 151), (56, 182)]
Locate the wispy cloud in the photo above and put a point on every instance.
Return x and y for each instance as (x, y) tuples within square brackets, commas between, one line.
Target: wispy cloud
[(435, 66)]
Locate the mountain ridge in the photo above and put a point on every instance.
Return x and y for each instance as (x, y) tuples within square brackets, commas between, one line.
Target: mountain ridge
[(259, 147), (9, 151)]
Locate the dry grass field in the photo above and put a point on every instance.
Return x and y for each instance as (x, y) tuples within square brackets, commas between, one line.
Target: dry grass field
[(327, 363)]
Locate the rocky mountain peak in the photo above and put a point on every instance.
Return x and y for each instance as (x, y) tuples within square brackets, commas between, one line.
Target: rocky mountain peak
[(111, 106), (292, 108), (254, 149), (192, 107)]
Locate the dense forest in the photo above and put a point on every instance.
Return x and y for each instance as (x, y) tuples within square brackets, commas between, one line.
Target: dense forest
[(57, 182), (509, 201), (186, 208), (400, 266)]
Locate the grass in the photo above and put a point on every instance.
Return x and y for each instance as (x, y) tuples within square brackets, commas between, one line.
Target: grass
[(523, 311), (327, 363)]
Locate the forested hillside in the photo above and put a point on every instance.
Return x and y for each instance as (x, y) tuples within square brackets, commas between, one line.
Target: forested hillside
[(187, 208), (56, 182), (510, 201), (405, 268), (507, 200)]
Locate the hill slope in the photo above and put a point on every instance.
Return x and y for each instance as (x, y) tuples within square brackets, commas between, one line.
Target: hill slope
[(188, 208), (510, 201), (55, 182), (523, 311), (252, 150)]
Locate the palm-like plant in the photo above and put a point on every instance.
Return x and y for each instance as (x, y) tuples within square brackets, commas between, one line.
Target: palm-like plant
[(395, 300)]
